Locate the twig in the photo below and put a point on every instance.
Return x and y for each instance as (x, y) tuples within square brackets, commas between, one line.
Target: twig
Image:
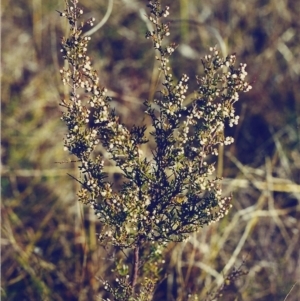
[(135, 268)]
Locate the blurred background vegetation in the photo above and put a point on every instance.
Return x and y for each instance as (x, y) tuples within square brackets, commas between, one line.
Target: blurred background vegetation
[(49, 244)]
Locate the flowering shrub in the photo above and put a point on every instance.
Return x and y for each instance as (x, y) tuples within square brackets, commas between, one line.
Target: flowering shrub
[(164, 198)]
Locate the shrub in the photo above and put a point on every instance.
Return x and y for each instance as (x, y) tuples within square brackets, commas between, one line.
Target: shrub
[(162, 198)]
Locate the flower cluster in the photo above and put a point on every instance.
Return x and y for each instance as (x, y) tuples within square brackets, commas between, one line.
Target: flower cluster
[(173, 194)]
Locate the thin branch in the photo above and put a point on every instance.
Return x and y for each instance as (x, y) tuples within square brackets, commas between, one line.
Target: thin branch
[(135, 271)]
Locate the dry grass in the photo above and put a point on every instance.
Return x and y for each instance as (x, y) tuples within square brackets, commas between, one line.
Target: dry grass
[(49, 247)]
